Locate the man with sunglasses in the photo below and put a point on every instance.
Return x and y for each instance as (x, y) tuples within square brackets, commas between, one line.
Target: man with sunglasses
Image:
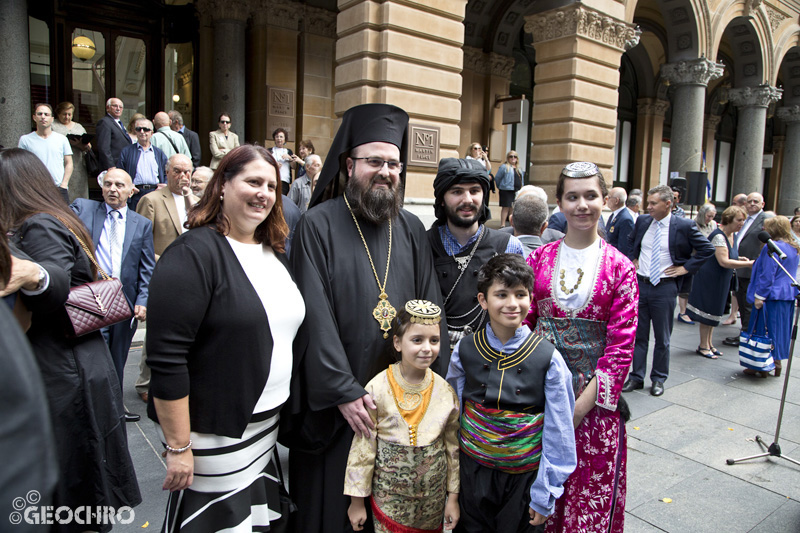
[(144, 162)]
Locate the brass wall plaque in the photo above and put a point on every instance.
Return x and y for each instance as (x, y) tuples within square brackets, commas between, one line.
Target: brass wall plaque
[(281, 111), (423, 145)]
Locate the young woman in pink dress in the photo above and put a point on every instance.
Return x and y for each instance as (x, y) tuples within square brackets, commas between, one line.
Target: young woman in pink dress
[(585, 302)]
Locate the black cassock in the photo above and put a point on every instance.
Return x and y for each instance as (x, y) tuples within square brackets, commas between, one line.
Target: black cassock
[(345, 347)]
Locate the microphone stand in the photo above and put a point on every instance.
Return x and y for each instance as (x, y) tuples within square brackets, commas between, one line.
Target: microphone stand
[(774, 449)]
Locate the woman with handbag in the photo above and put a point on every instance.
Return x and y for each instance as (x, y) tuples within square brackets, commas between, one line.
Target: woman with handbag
[(83, 391), (712, 283), (509, 180), (223, 313), (771, 290)]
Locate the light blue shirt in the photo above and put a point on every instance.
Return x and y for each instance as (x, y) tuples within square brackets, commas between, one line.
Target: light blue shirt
[(453, 247), (50, 151), (558, 458), (104, 256), (146, 167)]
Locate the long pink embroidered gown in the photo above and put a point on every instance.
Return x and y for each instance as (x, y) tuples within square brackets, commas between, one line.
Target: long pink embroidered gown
[(596, 339)]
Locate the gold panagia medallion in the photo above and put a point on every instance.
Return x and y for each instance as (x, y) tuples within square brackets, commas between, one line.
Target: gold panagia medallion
[(384, 313)]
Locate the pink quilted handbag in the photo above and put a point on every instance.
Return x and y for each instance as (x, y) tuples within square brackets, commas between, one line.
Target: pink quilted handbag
[(97, 304)]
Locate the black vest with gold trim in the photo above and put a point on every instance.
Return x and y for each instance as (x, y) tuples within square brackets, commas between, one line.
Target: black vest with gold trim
[(512, 381)]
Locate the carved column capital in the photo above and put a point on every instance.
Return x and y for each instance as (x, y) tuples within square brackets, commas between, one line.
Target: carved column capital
[(692, 72), (580, 20), (789, 114), (712, 122), (652, 106), (320, 21), (501, 65), (284, 14), (760, 96), (236, 10), (475, 60)]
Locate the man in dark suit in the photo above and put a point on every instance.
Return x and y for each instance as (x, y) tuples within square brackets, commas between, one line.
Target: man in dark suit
[(749, 246), (191, 137), (144, 163), (123, 242), (620, 221), (662, 246), (111, 136)]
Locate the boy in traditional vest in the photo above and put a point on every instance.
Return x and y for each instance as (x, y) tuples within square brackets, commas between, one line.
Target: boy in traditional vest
[(517, 439)]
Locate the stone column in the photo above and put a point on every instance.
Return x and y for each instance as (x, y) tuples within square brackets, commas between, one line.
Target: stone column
[(578, 54), (256, 90), (206, 108), (228, 78), (710, 144), (750, 127), (688, 109), (408, 55), (649, 132), (15, 75), (789, 196)]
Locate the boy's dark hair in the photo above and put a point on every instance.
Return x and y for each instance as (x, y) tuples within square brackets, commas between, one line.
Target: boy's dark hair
[(509, 269)]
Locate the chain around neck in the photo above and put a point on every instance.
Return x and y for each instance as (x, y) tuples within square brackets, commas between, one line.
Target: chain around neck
[(382, 288)]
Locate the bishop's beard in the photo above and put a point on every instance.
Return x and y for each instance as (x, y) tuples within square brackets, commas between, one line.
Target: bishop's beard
[(374, 205)]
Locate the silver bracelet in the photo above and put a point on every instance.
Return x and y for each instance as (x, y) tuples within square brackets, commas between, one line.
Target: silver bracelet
[(170, 449)]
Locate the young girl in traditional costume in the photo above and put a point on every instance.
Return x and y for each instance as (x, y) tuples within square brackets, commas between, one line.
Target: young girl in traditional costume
[(408, 467), (585, 299)]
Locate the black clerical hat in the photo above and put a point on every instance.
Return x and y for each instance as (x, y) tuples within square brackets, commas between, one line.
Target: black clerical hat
[(362, 124), (452, 171)]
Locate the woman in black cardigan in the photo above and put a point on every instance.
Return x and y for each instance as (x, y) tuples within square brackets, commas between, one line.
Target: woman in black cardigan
[(223, 312)]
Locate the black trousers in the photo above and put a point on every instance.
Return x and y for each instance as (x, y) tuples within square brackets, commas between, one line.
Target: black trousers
[(656, 306), (119, 337), (745, 308), (492, 501)]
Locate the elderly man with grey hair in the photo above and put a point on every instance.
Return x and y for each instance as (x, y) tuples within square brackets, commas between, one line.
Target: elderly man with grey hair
[(634, 205), (199, 180), (529, 220), (547, 235), (144, 162), (300, 191), (191, 137)]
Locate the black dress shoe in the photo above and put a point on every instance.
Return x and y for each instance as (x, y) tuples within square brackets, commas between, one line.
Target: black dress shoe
[(130, 417), (731, 341), (632, 385), (657, 389)]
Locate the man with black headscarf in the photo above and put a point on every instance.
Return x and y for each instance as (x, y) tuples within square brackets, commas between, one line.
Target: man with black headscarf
[(461, 243), (357, 258)]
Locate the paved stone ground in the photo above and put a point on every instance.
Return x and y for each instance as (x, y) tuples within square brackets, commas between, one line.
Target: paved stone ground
[(677, 447)]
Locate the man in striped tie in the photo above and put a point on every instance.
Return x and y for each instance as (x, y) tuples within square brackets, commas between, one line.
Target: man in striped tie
[(123, 242), (662, 247)]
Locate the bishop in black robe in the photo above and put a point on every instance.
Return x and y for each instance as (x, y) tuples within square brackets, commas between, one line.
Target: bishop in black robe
[(344, 345)]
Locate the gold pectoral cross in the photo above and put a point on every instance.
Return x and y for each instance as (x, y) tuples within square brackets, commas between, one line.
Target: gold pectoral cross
[(384, 313)]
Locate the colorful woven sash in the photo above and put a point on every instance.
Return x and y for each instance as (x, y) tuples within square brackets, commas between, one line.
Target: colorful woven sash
[(503, 440)]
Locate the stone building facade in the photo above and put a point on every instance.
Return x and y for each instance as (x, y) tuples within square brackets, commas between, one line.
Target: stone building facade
[(645, 89)]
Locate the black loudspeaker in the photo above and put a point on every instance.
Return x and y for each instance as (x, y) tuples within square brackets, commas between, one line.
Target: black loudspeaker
[(696, 188), (679, 184)]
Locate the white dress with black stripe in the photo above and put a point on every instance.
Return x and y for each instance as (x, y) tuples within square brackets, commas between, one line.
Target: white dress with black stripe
[(236, 483)]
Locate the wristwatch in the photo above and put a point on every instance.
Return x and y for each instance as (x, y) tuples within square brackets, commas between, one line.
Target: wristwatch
[(42, 278)]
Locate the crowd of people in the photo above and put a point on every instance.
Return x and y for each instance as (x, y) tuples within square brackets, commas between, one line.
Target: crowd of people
[(457, 376)]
